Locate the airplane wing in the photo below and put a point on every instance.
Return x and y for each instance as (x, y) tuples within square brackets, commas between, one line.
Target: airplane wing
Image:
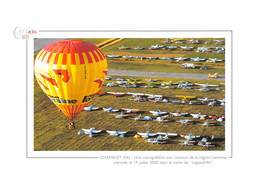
[(85, 130), (147, 134), (111, 131), (97, 131), (165, 133)]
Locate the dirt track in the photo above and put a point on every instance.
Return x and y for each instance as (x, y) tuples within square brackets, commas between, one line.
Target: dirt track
[(159, 74)]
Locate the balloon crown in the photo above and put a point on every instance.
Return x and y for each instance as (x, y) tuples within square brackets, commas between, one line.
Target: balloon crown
[(70, 46)]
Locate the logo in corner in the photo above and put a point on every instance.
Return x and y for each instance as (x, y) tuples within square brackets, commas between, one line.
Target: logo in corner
[(24, 33)]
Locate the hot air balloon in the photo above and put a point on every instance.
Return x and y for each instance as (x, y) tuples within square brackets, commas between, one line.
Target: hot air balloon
[(70, 72)]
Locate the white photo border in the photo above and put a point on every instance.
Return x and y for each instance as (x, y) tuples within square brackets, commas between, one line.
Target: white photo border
[(227, 34)]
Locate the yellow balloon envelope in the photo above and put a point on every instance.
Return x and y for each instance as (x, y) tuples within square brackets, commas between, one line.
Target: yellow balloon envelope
[(70, 72)]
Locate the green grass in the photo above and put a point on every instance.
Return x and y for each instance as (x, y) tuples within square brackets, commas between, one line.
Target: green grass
[(94, 40)]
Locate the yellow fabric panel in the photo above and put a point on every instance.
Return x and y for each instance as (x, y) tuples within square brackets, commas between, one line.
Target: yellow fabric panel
[(67, 90)]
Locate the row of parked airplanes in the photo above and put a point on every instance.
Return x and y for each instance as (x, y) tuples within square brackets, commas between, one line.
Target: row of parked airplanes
[(178, 99), (193, 41), (162, 116), (157, 138), (176, 59), (132, 83), (219, 50)]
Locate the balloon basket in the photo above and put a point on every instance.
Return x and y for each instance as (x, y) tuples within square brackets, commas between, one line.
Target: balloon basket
[(71, 125)]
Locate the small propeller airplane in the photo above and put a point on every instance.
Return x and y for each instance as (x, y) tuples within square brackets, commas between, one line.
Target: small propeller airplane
[(91, 108), (185, 121), (147, 134), (117, 133), (90, 132), (110, 109), (158, 113)]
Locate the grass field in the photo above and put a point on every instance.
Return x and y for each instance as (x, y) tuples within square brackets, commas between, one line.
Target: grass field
[(50, 132), (162, 66)]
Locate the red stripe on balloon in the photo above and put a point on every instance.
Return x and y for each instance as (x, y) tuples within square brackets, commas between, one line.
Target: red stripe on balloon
[(81, 59), (56, 59), (49, 57), (89, 58), (95, 56), (43, 56), (64, 59), (99, 54), (73, 61)]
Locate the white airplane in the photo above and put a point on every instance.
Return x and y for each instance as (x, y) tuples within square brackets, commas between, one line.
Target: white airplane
[(171, 47), (177, 114), (204, 143), (222, 102), (187, 48), (167, 134), (108, 77), (158, 140), (122, 115), (117, 133), (188, 65), (167, 41), (152, 80), (143, 118), (187, 143), (205, 99), (181, 59), (110, 84), (190, 137), (91, 108), (121, 82), (117, 94), (214, 60), (165, 58), (154, 47), (196, 41), (206, 85), (219, 41), (184, 121), (110, 109), (135, 94), (161, 119), (138, 48), (202, 49), (120, 79), (147, 134), (198, 59), (195, 102), (122, 47), (204, 89), (153, 96), (207, 124), (214, 75), (158, 113), (129, 111), (90, 132), (221, 119), (113, 56), (196, 116)]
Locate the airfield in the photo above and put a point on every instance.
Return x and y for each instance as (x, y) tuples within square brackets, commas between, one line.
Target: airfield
[(136, 60)]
